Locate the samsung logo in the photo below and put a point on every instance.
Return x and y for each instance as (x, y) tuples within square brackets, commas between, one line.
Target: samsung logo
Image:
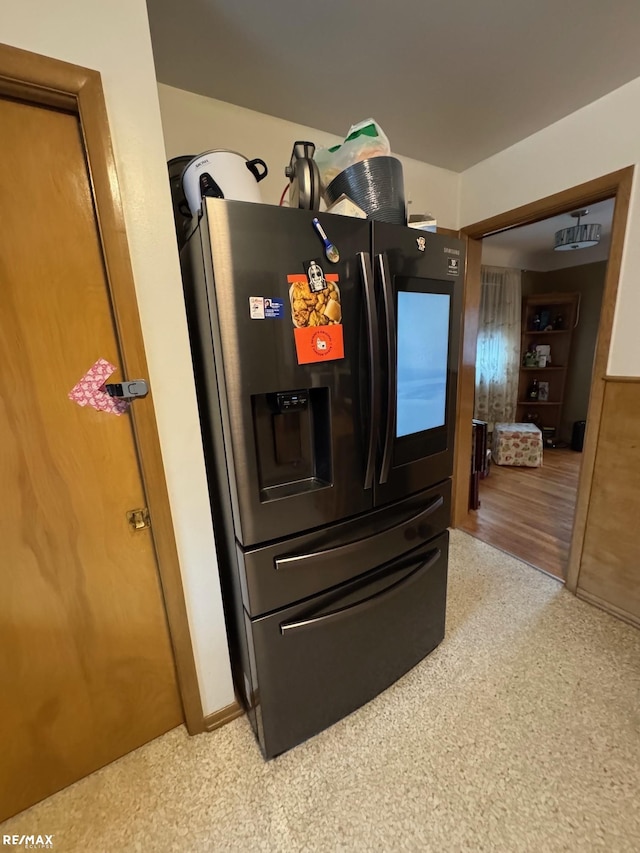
[(448, 251)]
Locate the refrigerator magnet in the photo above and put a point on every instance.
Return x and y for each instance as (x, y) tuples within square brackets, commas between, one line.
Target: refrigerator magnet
[(315, 276), (317, 318), (325, 343), (266, 308)]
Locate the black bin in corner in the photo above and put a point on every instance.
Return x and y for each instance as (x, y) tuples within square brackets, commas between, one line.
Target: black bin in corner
[(577, 436)]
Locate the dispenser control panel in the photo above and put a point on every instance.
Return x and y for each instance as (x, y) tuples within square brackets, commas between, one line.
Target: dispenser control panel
[(292, 401)]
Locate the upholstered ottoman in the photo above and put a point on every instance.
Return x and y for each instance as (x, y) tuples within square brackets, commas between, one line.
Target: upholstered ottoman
[(517, 444)]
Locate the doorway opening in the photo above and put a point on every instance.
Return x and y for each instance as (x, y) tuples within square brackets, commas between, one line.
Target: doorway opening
[(537, 331), (617, 186)]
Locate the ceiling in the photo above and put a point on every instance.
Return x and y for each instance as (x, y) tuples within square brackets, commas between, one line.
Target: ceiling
[(449, 82), (531, 246)]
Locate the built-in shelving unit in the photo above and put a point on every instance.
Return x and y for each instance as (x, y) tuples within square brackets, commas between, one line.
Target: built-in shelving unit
[(539, 311)]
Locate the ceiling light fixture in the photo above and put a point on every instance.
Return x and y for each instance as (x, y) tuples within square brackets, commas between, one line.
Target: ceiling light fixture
[(577, 236)]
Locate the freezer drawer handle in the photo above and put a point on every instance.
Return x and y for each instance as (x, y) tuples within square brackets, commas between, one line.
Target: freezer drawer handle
[(374, 360), (307, 560), (288, 628), (392, 347)]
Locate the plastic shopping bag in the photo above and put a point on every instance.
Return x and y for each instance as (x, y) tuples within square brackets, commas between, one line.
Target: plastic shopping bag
[(365, 139)]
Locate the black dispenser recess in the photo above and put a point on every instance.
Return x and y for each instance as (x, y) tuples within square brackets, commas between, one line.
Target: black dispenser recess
[(292, 432)]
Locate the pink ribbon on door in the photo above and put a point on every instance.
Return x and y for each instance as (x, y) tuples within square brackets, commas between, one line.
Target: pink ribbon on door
[(89, 391)]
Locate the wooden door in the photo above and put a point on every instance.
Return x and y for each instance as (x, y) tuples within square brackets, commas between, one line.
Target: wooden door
[(86, 666)]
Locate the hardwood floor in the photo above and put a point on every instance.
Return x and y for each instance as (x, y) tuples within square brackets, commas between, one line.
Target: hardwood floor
[(528, 512)]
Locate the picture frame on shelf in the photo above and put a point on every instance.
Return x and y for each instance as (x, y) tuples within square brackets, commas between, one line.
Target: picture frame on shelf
[(543, 391), (544, 350)]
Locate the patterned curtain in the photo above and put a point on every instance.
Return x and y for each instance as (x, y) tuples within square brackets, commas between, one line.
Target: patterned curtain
[(498, 355)]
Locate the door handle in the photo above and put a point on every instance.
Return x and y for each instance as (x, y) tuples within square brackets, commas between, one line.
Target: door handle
[(374, 358), (129, 390), (139, 519), (288, 628), (392, 347), (377, 541)]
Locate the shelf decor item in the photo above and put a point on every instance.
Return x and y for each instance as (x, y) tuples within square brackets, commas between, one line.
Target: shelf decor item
[(541, 402), (543, 351)]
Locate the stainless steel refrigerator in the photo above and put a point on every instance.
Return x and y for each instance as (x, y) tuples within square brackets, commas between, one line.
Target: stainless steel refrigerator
[(328, 436)]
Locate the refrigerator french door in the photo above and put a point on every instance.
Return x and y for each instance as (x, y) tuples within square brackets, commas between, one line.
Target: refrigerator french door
[(299, 440), (330, 520), (419, 288)]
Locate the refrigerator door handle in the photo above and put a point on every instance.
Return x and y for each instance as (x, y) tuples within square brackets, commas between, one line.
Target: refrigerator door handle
[(374, 361), (392, 346), (289, 628), (343, 551)]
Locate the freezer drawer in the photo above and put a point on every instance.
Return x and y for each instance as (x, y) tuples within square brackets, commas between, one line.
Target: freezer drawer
[(318, 661), (278, 575)]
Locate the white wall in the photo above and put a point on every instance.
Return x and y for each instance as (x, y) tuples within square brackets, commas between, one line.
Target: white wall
[(503, 256), (113, 38), (193, 123), (543, 261), (600, 138)]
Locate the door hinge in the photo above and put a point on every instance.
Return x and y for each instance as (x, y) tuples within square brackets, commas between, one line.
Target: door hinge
[(139, 518)]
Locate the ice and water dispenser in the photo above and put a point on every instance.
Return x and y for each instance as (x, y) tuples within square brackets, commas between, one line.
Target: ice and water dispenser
[(292, 431)]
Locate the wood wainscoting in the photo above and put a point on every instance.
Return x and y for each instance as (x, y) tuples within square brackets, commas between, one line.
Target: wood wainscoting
[(610, 566)]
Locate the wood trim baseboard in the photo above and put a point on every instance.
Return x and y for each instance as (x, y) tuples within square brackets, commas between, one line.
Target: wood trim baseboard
[(223, 716), (629, 379), (51, 82), (609, 608)]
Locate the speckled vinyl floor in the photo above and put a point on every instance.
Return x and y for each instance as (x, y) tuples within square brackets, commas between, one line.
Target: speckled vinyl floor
[(521, 732)]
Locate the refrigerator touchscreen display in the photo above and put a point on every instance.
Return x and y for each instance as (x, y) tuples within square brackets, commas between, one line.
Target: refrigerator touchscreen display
[(423, 346)]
